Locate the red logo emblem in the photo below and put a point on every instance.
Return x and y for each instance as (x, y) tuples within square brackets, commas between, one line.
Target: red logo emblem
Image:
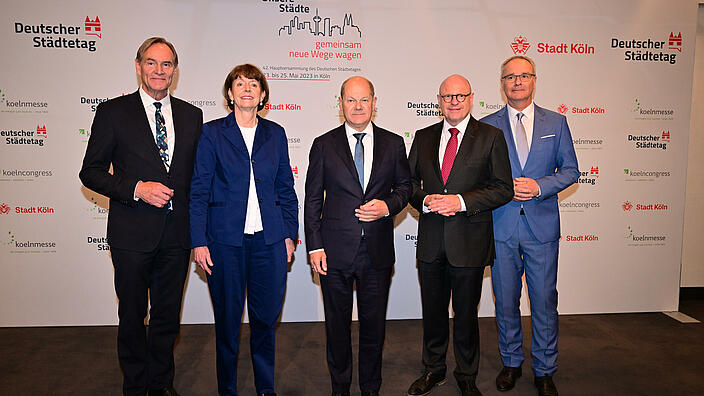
[(627, 206), (675, 42), (594, 171), (665, 136), (41, 131), (562, 109), (294, 169), (93, 27), (4, 209), (520, 45)]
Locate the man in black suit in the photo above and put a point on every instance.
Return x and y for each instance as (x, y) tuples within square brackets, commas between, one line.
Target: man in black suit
[(460, 171), (357, 181), (149, 138)]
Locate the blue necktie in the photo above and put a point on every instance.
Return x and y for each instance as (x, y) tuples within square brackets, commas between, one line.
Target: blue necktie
[(521, 141), (161, 140), (359, 157)]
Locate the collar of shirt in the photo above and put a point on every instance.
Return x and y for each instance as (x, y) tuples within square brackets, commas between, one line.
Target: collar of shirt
[(150, 110), (445, 136), (528, 117), (148, 102), (351, 131)]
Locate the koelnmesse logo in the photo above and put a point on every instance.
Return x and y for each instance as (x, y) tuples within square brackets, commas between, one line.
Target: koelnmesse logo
[(582, 110), (637, 239), (488, 108), (22, 105), (641, 175), (649, 50), (650, 141), (76, 36), (98, 207), (590, 176), (18, 245), (596, 143), (648, 113), (520, 46), (25, 137)]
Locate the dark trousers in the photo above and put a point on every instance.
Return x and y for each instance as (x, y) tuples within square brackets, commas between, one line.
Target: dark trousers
[(438, 281), (372, 298), (260, 270), (157, 278)]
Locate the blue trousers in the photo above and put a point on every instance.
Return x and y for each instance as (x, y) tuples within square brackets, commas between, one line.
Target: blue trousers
[(260, 270), (522, 253)]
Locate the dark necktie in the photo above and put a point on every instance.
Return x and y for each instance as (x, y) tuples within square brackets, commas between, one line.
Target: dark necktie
[(161, 140), (359, 157), (521, 140), (450, 153)]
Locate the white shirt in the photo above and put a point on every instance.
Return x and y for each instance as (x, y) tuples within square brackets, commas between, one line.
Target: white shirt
[(150, 109), (527, 120), (253, 219), (444, 138), (368, 142)]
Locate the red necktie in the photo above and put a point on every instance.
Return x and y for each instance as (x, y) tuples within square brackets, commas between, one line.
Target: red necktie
[(450, 153)]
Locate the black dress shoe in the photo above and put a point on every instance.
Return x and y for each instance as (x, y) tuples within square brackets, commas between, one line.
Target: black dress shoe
[(506, 379), (426, 382), (168, 391), (545, 386), (468, 388), (370, 393), (339, 394)]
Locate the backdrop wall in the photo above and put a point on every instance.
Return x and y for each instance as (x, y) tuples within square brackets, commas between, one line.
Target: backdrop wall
[(620, 71)]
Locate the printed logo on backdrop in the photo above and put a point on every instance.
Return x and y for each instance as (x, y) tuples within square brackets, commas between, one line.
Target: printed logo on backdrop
[(637, 238), (641, 175), (653, 50), (411, 240), (423, 109), (283, 107), (100, 243), (650, 141), (579, 206), (589, 177), (489, 107), (25, 137), (97, 207), (294, 142), (650, 207), (20, 245), (203, 103), (596, 143), (10, 104), (580, 238), (84, 134), (581, 110), (294, 170), (520, 46), (24, 175), (648, 113), (334, 42), (81, 34), (6, 209)]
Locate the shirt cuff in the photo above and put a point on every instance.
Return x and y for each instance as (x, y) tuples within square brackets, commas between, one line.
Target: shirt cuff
[(316, 251), (464, 205), (134, 194)]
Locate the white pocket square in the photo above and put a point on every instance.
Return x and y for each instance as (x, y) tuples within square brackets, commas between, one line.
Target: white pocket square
[(547, 136)]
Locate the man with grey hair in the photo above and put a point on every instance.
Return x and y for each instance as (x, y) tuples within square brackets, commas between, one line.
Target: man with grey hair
[(527, 229), (148, 138)]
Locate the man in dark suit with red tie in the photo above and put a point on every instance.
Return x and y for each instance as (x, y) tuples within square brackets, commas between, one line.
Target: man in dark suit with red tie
[(460, 171), (149, 139), (357, 181)]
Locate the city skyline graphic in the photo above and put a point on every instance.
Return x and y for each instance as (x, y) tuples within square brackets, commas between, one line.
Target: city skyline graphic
[(315, 28)]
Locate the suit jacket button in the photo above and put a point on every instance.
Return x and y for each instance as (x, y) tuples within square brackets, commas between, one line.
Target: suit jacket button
[(257, 180), (254, 162), (261, 200), (445, 191)]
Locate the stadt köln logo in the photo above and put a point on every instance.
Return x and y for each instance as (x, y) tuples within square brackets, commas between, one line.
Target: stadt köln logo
[(520, 46), (581, 110), (628, 206)]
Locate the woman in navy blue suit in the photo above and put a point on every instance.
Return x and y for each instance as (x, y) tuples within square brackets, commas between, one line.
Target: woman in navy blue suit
[(244, 221)]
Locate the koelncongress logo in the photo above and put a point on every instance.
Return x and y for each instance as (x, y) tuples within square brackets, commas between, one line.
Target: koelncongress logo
[(650, 141), (203, 103), (649, 50), (520, 46), (424, 109), (634, 238), (589, 177), (21, 105), (579, 207), (76, 36), (641, 175), (25, 137), (24, 175), (16, 244), (648, 113)]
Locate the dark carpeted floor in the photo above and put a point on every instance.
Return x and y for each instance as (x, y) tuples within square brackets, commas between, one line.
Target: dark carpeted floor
[(625, 354)]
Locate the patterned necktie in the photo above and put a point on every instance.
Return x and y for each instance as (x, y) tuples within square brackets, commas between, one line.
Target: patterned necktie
[(450, 153), (161, 140), (521, 140), (359, 157)]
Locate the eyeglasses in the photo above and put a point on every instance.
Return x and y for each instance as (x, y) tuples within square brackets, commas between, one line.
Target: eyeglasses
[(513, 77), (459, 97)]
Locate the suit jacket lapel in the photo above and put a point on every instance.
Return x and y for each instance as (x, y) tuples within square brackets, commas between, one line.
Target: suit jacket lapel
[(342, 147), (508, 136), (465, 145), (176, 116), (377, 157), (435, 149), (233, 134), (261, 136), (144, 132), (535, 141)]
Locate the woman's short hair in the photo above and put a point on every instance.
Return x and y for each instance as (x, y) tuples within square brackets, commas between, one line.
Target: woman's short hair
[(247, 71)]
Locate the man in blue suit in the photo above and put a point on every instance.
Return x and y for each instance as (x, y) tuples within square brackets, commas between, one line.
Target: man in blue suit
[(527, 229)]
